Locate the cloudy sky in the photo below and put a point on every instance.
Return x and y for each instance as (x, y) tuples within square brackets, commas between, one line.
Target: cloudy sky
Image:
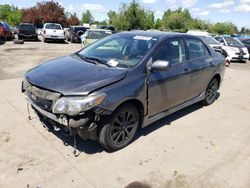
[(236, 11)]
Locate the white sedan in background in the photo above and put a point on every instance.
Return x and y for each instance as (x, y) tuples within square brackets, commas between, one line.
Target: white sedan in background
[(235, 50)]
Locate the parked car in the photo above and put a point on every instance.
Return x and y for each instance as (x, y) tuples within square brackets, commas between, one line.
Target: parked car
[(27, 31), (5, 31), (53, 31), (246, 43), (125, 81), (92, 35), (236, 51), (106, 27), (74, 33), (212, 42)]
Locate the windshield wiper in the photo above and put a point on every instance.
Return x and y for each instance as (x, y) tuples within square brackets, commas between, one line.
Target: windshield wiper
[(101, 61), (85, 59)]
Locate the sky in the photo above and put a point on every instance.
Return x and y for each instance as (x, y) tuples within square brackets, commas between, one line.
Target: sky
[(236, 11)]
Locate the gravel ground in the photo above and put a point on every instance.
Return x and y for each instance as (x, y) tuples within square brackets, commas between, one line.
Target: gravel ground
[(198, 147)]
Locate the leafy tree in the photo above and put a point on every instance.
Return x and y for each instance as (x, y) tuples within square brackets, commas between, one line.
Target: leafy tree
[(158, 24), (224, 28), (243, 30), (10, 14), (131, 16), (176, 20), (87, 17), (44, 12), (71, 19)]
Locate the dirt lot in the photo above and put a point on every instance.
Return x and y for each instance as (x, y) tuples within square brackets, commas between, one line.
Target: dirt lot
[(198, 147)]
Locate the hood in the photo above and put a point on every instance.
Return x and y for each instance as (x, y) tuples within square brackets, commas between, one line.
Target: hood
[(72, 76)]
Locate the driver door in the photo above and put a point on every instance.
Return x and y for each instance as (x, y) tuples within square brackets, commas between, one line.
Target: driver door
[(169, 88)]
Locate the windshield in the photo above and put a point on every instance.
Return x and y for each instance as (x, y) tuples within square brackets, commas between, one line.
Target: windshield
[(209, 40), (53, 26), (233, 42), (120, 50)]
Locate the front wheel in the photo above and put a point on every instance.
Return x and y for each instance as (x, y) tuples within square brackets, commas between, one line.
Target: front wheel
[(119, 130), (211, 92)]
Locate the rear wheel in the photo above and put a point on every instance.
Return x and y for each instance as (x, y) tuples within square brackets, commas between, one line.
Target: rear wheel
[(211, 92), (72, 39), (119, 129)]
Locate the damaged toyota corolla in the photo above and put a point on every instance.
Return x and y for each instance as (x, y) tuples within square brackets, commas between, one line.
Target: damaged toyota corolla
[(121, 83)]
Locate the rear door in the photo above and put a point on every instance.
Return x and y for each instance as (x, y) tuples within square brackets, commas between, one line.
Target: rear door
[(201, 64), (167, 89)]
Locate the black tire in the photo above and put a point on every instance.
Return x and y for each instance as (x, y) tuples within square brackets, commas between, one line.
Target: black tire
[(15, 41), (119, 129), (72, 39), (211, 92)]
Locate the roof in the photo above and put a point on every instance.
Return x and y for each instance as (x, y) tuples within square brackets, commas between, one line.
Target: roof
[(78, 26), (105, 30), (155, 34)]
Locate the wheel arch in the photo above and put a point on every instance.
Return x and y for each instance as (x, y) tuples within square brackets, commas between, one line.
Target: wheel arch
[(217, 77), (137, 103)]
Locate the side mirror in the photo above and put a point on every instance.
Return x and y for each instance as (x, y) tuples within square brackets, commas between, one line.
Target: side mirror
[(159, 65)]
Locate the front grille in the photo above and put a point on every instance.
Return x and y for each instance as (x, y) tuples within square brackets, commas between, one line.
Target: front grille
[(45, 104), (40, 97), (240, 53)]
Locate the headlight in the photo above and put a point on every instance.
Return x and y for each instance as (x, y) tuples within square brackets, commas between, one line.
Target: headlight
[(74, 105)]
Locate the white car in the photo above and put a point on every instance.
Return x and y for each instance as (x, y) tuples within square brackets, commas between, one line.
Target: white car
[(53, 31), (207, 38), (235, 50)]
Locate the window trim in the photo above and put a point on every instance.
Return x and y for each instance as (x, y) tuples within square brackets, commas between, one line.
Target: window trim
[(168, 40), (198, 39)]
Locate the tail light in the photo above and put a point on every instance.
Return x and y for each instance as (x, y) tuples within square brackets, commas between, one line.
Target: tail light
[(44, 31), (226, 62)]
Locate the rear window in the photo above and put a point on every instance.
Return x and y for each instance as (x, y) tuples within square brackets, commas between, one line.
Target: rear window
[(209, 40), (27, 27), (53, 26), (76, 29), (196, 49), (98, 34)]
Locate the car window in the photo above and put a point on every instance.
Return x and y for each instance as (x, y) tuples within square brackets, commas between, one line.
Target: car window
[(246, 42), (172, 51), (98, 34), (114, 45), (120, 50), (26, 27), (220, 40), (196, 48), (209, 40), (233, 42), (53, 26)]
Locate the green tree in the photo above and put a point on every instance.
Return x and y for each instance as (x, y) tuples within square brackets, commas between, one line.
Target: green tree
[(225, 28), (10, 14), (158, 24), (177, 20), (87, 17), (131, 16)]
